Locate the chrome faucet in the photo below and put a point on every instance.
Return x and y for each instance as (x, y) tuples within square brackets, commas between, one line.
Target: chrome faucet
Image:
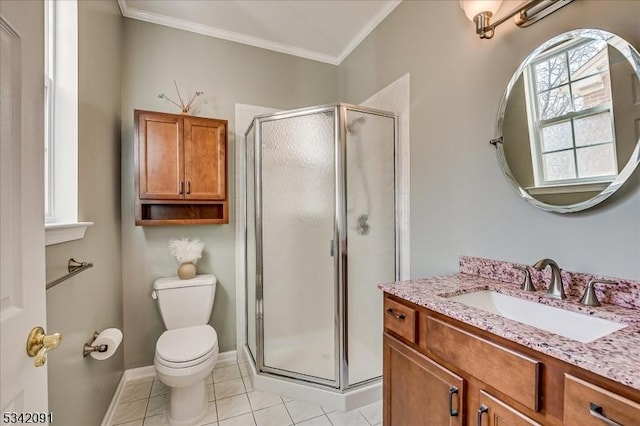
[(556, 287)]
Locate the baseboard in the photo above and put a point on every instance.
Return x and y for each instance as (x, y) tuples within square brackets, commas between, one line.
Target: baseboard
[(139, 373), (227, 357), (111, 411), (149, 371)]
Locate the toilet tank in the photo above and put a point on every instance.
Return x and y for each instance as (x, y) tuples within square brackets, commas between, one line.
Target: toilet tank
[(185, 303)]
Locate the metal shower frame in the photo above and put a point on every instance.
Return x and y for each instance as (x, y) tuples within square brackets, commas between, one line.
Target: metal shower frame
[(339, 247)]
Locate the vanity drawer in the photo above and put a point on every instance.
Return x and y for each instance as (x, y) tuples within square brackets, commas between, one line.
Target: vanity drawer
[(499, 413), (587, 404), (400, 319), (486, 361)]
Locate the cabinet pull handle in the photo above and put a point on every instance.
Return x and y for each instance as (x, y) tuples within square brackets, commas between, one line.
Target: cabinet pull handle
[(483, 409), (596, 411), (452, 412), (181, 190), (396, 316), (188, 187)]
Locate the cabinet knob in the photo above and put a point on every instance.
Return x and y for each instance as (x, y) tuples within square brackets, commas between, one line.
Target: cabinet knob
[(188, 187), (181, 189)]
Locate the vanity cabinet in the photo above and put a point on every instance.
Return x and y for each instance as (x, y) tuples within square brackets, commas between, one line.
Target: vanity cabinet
[(587, 404), (181, 169), (417, 388), (497, 382), (494, 412)]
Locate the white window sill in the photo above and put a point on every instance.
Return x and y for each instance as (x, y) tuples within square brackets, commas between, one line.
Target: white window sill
[(568, 188), (56, 233)]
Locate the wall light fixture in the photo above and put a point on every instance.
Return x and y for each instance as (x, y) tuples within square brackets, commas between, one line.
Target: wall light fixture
[(481, 11)]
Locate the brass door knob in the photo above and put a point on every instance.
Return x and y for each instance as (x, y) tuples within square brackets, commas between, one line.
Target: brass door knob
[(39, 343)]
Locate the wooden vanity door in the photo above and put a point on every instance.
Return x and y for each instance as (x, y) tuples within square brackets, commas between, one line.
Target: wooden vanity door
[(418, 391), (494, 412), (204, 156)]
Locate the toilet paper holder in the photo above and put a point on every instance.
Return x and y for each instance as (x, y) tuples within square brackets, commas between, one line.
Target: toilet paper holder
[(88, 348)]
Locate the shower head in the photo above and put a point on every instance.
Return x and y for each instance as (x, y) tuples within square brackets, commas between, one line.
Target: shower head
[(354, 126)]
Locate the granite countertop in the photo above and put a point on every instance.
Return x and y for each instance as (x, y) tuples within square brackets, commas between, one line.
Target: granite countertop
[(615, 356)]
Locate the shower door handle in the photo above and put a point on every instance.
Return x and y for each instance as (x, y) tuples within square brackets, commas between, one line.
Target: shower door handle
[(332, 248)]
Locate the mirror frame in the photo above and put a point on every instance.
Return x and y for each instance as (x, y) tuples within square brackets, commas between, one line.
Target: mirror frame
[(633, 57)]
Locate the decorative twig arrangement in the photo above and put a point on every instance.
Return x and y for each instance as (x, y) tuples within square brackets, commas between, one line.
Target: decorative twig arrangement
[(185, 108)]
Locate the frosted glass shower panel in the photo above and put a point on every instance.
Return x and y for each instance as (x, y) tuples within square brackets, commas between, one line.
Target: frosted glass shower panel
[(370, 198), (250, 241), (298, 210)]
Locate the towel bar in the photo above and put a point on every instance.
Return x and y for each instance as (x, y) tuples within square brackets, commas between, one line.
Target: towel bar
[(74, 267)]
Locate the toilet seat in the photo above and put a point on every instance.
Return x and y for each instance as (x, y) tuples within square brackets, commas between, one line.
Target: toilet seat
[(186, 347)]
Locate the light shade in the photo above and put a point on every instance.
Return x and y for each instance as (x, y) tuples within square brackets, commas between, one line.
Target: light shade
[(473, 7)]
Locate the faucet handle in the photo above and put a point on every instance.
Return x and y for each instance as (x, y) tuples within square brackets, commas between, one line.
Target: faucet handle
[(589, 298), (527, 284)]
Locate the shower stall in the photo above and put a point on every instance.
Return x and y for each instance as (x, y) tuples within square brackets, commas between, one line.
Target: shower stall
[(321, 233)]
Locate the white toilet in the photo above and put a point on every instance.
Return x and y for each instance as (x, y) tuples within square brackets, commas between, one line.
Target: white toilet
[(188, 350)]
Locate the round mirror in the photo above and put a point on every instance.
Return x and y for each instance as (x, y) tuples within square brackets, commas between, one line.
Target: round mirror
[(569, 122)]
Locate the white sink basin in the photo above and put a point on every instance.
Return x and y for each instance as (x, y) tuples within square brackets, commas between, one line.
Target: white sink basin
[(572, 325)]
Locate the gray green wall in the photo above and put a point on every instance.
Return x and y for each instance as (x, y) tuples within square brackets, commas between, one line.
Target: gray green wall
[(80, 389), (228, 73), (460, 202)]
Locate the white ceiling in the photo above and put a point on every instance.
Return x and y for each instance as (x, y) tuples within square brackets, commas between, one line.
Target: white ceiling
[(322, 30)]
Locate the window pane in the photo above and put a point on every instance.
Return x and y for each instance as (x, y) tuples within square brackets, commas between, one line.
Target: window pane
[(559, 166), (591, 91), (554, 103), (596, 161), (551, 73), (593, 129), (557, 136), (588, 59)]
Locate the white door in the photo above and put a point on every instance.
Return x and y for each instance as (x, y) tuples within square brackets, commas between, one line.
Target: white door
[(22, 267)]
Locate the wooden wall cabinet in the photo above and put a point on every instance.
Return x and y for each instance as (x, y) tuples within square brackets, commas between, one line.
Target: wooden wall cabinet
[(439, 371), (181, 169)]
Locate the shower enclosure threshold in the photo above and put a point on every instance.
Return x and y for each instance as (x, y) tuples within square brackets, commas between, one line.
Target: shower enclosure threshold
[(347, 400)]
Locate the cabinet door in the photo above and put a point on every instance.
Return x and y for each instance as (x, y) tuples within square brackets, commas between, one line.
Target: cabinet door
[(418, 391), (160, 162), (205, 146), (493, 412)]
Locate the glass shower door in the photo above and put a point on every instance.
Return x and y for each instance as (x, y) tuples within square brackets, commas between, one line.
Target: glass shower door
[(370, 229), (297, 279)]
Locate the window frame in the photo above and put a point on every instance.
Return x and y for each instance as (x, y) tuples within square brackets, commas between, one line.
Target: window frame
[(61, 120), (537, 124)]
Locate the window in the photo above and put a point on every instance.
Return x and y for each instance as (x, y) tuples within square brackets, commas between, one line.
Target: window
[(570, 115), (61, 123)]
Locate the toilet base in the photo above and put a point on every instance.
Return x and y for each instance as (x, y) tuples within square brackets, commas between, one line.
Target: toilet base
[(187, 405), (187, 390)]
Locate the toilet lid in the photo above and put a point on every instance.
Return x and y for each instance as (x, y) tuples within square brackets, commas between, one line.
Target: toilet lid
[(186, 344)]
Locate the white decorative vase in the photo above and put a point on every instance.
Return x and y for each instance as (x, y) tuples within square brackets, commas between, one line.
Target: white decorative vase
[(186, 271)]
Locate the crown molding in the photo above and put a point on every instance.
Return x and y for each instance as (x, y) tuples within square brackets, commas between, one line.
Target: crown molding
[(210, 31), (154, 18), (366, 30)]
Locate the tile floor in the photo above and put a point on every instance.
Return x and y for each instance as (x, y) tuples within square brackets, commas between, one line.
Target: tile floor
[(234, 402)]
